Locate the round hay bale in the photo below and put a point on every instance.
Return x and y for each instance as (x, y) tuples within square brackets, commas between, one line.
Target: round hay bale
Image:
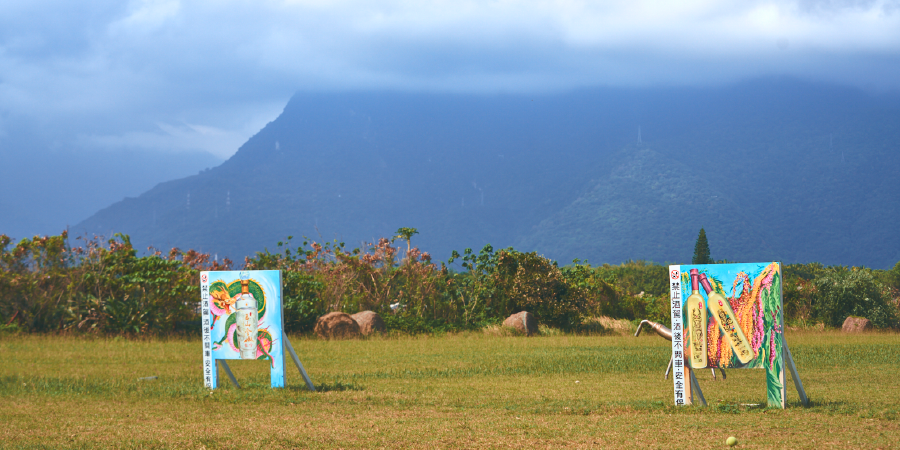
[(337, 325)]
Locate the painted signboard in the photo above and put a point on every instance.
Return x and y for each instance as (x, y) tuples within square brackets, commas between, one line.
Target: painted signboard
[(728, 316), (242, 318)]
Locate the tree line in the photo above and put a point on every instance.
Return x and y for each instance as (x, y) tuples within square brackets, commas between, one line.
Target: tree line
[(96, 285)]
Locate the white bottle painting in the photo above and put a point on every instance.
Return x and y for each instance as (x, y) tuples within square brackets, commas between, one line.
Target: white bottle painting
[(247, 319)]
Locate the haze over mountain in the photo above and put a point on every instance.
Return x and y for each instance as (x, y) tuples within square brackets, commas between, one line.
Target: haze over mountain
[(102, 100), (45, 190), (773, 169)]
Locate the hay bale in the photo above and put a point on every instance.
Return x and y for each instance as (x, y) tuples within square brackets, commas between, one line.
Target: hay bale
[(337, 325), (369, 322)]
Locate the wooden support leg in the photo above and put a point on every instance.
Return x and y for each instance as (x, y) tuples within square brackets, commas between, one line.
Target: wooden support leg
[(695, 388), (228, 372), (795, 376), (688, 386), (290, 349)]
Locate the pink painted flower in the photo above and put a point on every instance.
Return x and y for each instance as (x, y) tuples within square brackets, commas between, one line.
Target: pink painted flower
[(756, 340), (759, 320), (767, 281), (772, 349), (231, 331), (264, 347)]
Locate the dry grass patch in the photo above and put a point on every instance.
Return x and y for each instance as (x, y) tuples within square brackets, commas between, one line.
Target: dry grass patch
[(622, 327)]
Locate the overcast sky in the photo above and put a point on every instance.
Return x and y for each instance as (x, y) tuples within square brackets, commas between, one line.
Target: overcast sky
[(183, 75)]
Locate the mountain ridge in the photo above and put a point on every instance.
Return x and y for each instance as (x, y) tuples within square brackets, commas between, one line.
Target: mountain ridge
[(561, 174)]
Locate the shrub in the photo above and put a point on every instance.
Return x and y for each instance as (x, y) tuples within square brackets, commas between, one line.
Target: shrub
[(599, 297), (529, 282), (48, 285), (852, 292), (102, 286)]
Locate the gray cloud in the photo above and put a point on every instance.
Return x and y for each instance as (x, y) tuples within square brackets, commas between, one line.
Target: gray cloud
[(203, 74)]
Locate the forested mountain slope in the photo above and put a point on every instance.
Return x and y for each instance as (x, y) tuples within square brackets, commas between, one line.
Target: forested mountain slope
[(774, 169)]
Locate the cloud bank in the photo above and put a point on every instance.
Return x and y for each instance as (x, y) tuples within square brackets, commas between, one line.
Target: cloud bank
[(207, 74)]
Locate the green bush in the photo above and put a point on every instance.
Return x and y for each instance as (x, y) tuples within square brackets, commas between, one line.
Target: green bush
[(799, 291), (893, 278), (852, 292), (642, 288), (815, 293), (529, 282), (47, 285), (599, 297)]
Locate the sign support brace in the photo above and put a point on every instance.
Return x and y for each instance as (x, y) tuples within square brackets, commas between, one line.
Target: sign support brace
[(290, 349)]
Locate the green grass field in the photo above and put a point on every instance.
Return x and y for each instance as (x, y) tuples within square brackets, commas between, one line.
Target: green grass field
[(457, 391)]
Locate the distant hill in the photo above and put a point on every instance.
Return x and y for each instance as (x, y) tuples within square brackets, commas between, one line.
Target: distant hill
[(773, 169), (42, 191)]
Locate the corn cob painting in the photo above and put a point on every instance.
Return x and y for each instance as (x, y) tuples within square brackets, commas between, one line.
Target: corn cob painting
[(754, 305)]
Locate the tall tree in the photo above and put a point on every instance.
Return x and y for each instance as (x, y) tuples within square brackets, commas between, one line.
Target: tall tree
[(701, 250), (407, 234)]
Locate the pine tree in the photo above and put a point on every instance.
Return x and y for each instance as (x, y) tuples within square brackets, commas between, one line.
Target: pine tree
[(701, 250)]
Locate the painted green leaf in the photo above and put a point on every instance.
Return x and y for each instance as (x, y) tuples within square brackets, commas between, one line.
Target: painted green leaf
[(231, 320)]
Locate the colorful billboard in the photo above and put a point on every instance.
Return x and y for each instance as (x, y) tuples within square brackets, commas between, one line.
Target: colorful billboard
[(242, 318), (728, 316)]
